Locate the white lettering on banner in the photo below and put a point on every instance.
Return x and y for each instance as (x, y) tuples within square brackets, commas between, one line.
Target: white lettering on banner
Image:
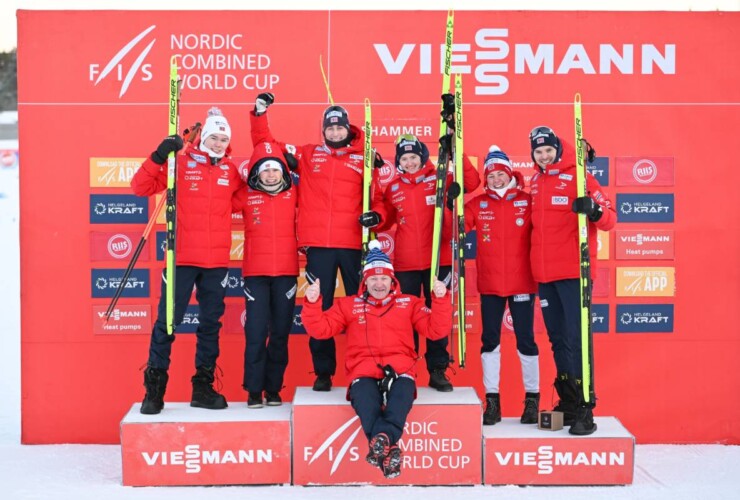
[(491, 55), (396, 130), (545, 459), (193, 458)]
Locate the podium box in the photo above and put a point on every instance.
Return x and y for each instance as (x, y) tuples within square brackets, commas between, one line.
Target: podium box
[(522, 454), (441, 443), (195, 446)]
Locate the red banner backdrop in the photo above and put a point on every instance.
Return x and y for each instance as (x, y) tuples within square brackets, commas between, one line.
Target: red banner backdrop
[(660, 106)]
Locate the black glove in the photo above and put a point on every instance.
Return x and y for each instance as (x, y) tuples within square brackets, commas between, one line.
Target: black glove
[(448, 110), (292, 161), (452, 193), (370, 219), (171, 144), (586, 205), (590, 152), (378, 162), (263, 101), (445, 143)]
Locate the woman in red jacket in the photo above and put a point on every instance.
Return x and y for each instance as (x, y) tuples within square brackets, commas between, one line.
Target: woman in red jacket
[(380, 358), (206, 180), (408, 202), (502, 219), (329, 203), (556, 262), (269, 269)]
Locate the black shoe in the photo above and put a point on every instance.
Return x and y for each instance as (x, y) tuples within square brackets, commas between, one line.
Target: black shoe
[(531, 408), (439, 380), (155, 382), (568, 394), (584, 422), (379, 446), (322, 383), (273, 399), (392, 463), (254, 400), (204, 396), (492, 413)]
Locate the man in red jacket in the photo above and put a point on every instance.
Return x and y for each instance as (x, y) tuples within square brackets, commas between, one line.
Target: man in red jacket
[(408, 202), (329, 204), (206, 180), (502, 219), (269, 269), (556, 263), (380, 358)]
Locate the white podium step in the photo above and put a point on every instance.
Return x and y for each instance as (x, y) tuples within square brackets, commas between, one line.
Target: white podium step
[(522, 454), (441, 443), (193, 446)]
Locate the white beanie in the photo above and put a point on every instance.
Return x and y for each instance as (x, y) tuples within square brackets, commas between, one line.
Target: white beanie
[(215, 124)]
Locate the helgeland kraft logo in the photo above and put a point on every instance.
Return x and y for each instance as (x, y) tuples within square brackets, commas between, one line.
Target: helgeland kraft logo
[(105, 282), (116, 69), (645, 207), (644, 318), (118, 209)]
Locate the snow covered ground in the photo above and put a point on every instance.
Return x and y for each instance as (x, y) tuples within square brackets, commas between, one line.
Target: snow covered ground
[(94, 471)]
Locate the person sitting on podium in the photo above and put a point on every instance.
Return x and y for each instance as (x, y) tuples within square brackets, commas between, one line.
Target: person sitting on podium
[(380, 357)]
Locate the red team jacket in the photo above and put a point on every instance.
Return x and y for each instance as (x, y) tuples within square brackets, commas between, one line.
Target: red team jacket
[(554, 254), (204, 192), (410, 204), (330, 194), (379, 334), (270, 246), (503, 226)]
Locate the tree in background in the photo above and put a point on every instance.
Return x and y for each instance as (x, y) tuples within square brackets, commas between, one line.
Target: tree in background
[(8, 81)]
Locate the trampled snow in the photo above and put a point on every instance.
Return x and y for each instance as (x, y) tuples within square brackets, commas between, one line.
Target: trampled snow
[(662, 472)]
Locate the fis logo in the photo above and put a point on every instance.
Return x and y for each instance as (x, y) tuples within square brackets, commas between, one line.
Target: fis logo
[(644, 318), (116, 69), (344, 434)]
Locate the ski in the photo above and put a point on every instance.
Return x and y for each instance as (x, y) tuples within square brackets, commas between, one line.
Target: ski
[(587, 341), (444, 157), (192, 134), (171, 207), (367, 176), (458, 249)]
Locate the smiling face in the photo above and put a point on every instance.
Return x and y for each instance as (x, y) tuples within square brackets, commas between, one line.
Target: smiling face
[(271, 176), (379, 286), (544, 155), (217, 143), (410, 163), (335, 133), (497, 179)]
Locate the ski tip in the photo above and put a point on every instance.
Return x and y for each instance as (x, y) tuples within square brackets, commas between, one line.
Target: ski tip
[(577, 97)]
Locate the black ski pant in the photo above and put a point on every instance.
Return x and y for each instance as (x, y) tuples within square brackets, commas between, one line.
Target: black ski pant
[(210, 291), (412, 283), (270, 302), (323, 263), (367, 400), (492, 310), (561, 310)]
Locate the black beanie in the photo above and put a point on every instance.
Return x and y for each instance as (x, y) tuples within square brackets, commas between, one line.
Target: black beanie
[(335, 115)]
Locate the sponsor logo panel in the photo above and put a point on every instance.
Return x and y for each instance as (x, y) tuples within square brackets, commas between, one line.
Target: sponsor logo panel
[(646, 282), (118, 209), (633, 207), (124, 320), (599, 169), (603, 239), (113, 172), (601, 284), (190, 320), (600, 318), (117, 246), (234, 283), (645, 244), (237, 245), (645, 318), (645, 171), (105, 282)]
